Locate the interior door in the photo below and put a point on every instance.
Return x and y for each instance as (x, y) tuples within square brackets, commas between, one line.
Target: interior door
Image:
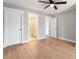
[(12, 26), (53, 27)]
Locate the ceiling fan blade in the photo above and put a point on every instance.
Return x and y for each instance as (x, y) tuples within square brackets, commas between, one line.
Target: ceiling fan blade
[(43, 1), (46, 6), (55, 7), (61, 2), (51, 1)]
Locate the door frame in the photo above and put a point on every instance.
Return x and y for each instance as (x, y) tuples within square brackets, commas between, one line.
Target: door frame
[(47, 28), (34, 14)]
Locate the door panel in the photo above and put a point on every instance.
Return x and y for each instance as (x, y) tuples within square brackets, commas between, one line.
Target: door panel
[(12, 26), (53, 27)]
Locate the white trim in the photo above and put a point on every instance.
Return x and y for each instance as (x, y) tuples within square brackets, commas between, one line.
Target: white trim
[(64, 39), (22, 32), (60, 38), (25, 41), (4, 46), (42, 38)]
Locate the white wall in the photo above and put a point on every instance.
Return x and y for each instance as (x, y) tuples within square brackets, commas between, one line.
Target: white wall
[(67, 25)]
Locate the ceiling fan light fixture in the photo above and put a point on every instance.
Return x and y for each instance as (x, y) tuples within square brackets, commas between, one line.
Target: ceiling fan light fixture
[(51, 5)]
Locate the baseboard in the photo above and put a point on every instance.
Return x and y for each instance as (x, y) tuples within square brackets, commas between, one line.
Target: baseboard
[(25, 41), (64, 39), (4, 46), (42, 38)]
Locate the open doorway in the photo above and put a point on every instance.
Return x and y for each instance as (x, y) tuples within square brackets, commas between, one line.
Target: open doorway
[(32, 26)]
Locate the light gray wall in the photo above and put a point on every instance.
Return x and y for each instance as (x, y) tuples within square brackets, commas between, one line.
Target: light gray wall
[(42, 26), (67, 24)]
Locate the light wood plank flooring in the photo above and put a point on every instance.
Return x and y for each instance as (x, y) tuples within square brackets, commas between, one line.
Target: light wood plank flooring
[(41, 49)]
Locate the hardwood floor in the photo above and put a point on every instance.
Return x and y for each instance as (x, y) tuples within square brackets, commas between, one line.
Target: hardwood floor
[(41, 49)]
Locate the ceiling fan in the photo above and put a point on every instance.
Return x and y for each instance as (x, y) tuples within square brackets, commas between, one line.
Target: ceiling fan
[(52, 3)]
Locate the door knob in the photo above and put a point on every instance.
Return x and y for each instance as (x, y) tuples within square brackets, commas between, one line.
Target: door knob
[(20, 29)]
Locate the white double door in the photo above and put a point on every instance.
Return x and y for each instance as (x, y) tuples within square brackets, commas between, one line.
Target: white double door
[(53, 27), (12, 26)]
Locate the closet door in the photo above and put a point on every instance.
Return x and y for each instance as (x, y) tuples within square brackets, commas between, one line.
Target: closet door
[(53, 27), (12, 26)]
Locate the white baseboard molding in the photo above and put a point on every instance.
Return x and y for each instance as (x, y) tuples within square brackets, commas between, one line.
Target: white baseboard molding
[(42, 38), (60, 38), (4, 46), (66, 39), (32, 40), (25, 41)]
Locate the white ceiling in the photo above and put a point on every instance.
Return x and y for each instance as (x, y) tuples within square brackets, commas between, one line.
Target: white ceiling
[(35, 5)]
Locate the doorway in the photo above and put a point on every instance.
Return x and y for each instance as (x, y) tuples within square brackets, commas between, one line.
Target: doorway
[(32, 26)]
